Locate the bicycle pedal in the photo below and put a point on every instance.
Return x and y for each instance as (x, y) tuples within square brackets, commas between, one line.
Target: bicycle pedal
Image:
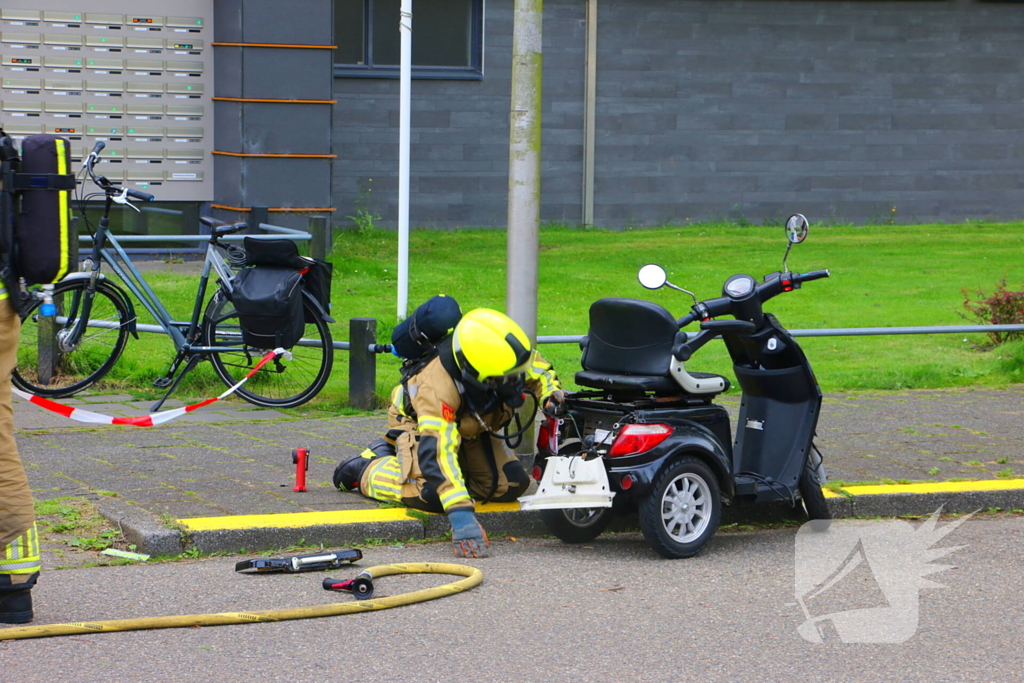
[(162, 382)]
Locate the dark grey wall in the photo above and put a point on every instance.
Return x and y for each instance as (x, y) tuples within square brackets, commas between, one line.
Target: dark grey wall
[(719, 109)]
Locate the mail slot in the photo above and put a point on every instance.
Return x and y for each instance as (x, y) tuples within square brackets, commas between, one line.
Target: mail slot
[(151, 65), (31, 107), (112, 108), (19, 38), (144, 43), (63, 39), (103, 86), (184, 110), (152, 153), (146, 20), (183, 175), (20, 14), (62, 17), (184, 22), (143, 174), (22, 83), (144, 87), (21, 60), (144, 109), (183, 87), (187, 67), (104, 41), (19, 128), (61, 106), (62, 62), (181, 132), (104, 64), (104, 19), (114, 175), (103, 131), (190, 44), (58, 84), (69, 129), (186, 154), (145, 131), (108, 153)]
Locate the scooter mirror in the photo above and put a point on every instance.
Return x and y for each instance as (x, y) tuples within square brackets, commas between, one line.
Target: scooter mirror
[(652, 276), (796, 228)]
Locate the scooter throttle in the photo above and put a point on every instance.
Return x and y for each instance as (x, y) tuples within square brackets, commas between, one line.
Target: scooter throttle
[(813, 275)]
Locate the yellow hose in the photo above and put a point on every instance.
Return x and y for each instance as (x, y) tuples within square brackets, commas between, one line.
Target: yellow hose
[(473, 578)]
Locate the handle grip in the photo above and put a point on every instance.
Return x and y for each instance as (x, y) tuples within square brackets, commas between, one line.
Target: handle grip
[(144, 196), (98, 147), (813, 275)]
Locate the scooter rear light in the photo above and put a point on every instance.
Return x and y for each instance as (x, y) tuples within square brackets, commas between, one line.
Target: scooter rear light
[(627, 482), (635, 439), (537, 472)]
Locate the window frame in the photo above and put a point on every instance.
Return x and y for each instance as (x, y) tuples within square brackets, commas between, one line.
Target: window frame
[(473, 72)]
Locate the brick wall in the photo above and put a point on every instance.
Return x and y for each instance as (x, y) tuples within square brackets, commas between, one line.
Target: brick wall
[(719, 109)]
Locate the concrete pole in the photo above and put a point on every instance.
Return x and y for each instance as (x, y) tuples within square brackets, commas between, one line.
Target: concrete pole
[(524, 166), (404, 102)]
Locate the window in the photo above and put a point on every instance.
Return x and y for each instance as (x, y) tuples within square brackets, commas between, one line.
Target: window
[(447, 38)]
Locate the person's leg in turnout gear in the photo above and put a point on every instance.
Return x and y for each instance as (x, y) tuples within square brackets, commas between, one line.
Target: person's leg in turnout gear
[(19, 542)]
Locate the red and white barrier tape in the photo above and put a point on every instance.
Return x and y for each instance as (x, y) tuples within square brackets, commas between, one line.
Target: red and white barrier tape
[(143, 420)]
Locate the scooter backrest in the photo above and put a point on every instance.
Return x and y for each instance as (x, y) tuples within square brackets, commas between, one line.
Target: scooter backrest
[(629, 337)]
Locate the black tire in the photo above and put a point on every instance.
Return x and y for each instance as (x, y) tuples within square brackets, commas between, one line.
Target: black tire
[(577, 525), (681, 514), (79, 364), (280, 383), (811, 495)]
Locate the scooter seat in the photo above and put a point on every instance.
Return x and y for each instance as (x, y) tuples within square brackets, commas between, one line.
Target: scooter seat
[(643, 383)]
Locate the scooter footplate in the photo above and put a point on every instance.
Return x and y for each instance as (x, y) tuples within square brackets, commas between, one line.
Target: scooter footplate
[(570, 482)]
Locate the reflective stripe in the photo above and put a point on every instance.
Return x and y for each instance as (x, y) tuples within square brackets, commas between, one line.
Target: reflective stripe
[(382, 480), (448, 459), (398, 400), (64, 203), (430, 422), (541, 370), (22, 554)]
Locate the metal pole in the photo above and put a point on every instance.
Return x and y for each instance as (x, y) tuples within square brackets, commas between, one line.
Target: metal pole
[(590, 114), (404, 99), (524, 166)]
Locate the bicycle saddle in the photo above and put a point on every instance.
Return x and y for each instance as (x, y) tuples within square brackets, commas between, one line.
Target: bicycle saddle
[(220, 227)]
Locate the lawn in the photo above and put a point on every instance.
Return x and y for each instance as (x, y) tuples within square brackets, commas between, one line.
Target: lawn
[(888, 275)]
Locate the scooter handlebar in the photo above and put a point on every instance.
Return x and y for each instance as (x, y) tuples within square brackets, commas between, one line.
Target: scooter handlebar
[(813, 275)]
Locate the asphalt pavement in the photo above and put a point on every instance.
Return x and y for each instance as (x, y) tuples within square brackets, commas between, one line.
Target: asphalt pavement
[(222, 478), (609, 610)]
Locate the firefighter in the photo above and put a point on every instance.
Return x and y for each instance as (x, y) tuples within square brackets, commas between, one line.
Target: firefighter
[(444, 448), (19, 543)]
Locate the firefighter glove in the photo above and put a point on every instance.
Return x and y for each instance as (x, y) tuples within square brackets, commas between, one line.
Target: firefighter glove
[(554, 404), (468, 538)]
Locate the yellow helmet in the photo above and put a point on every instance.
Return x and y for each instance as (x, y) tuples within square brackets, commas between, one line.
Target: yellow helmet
[(490, 344)]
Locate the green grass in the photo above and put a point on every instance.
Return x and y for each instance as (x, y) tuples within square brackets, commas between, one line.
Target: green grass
[(881, 276)]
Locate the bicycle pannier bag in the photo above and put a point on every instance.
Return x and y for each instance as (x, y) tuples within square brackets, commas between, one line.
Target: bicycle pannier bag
[(429, 323), (316, 274), (43, 226), (269, 304)]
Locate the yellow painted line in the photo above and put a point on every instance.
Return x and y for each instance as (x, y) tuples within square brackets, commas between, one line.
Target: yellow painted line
[(304, 519), (937, 487), (307, 519), (295, 519)]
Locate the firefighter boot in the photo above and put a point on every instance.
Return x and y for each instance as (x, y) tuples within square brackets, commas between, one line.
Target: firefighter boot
[(348, 472), (16, 600)]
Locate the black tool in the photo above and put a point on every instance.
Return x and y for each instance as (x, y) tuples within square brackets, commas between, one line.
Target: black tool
[(332, 559), (360, 587)]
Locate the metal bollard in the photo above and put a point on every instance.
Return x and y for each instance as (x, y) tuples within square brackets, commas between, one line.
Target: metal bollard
[(319, 246), (362, 363)]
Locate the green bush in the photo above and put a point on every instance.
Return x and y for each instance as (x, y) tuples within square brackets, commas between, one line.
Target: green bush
[(1002, 307)]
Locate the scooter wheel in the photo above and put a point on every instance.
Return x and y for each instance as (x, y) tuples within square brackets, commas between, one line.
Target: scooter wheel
[(680, 516), (812, 497), (577, 525)]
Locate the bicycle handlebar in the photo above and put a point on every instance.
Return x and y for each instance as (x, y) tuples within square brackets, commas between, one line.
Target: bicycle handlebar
[(144, 196)]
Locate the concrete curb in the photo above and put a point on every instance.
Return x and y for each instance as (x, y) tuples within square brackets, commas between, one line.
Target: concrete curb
[(272, 532)]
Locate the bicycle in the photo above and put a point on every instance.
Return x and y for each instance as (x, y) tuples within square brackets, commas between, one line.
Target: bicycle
[(63, 354)]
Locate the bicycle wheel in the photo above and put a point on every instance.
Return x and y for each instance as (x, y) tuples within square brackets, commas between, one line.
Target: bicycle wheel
[(50, 362), (280, 383)]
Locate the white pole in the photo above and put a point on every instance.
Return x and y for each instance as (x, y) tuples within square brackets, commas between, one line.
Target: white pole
[(404, 99), (524, 166)]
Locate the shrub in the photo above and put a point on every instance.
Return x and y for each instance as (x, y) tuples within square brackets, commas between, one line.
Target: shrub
[(1002, 307)]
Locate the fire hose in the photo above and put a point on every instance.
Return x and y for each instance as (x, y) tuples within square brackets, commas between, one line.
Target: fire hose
[(473, 577)]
